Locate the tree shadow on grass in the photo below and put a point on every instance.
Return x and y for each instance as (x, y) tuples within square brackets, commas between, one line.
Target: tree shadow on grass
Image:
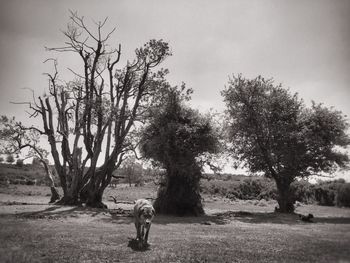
[(116, 216), (278, 218), (122, 216), (332, 220), (119, 216), (57, 211), (203, 219)]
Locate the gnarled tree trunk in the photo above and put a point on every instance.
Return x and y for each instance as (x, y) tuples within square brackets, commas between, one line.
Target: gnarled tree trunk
[(179, 194), (92, 192)]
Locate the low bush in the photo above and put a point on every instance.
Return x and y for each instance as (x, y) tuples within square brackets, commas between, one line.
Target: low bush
[(19, 163), (329, 193), (246, 188), (326, 191), (303, 191), (10, 158), (343, 195)]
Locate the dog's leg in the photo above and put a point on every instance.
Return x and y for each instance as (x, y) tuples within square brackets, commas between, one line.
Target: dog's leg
[(141, 235), (142, 232), (138, 231), (146, 235)]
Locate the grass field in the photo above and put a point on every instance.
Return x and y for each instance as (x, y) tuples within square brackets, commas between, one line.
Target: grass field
[(231, 231)]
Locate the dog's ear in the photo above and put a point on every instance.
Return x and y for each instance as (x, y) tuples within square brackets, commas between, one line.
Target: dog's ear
[(153, 211)]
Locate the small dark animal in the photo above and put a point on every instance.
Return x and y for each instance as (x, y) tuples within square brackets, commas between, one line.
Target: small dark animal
[(306, 218), (143, 213)]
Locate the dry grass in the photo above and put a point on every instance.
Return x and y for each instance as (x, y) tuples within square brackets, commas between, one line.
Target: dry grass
[(240, 231)]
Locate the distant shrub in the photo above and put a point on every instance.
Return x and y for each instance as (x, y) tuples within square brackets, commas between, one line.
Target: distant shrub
[(10, 158), (343, 195), (1, 159), (326, 192), (246, 188), (250, 188), (31, 182), (269, 191), (19, 163), (36, 161), (324, 195), (303, 191)]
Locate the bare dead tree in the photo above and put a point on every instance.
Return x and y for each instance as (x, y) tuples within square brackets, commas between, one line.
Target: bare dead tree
[(102, 105)]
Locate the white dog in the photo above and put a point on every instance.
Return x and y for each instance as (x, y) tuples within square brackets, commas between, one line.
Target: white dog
[(143, 213)]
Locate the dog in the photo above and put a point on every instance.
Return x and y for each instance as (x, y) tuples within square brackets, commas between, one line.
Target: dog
[(144, 214)]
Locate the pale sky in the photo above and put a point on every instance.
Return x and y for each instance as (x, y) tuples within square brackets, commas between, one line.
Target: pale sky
[(305, 45)]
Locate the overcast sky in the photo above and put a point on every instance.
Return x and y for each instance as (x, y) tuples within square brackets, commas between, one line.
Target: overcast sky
[(305, 45)]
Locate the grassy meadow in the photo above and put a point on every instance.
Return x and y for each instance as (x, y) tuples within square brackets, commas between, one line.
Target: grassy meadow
[(31, 230)]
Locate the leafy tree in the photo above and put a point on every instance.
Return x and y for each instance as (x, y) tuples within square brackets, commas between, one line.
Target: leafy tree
[(101, 106), (273, 132), (174, 138)]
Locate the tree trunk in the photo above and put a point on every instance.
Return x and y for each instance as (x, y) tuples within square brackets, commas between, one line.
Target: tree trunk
[(54, 195), (92, 194), (94, 199), (89, 192), (69, 200), (179, 195), (285, 197), (70, 192)]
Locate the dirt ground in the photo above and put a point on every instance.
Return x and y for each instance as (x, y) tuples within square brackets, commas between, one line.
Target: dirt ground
[(231, 231)]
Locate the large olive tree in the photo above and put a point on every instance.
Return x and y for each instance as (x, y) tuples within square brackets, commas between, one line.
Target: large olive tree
[(175, 137), (271, 131)]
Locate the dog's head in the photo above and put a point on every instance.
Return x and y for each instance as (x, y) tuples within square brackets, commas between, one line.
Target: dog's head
[(146, 215)]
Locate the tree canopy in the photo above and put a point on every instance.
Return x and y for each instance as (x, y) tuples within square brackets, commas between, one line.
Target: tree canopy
[(272, 131), (174, 138)]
